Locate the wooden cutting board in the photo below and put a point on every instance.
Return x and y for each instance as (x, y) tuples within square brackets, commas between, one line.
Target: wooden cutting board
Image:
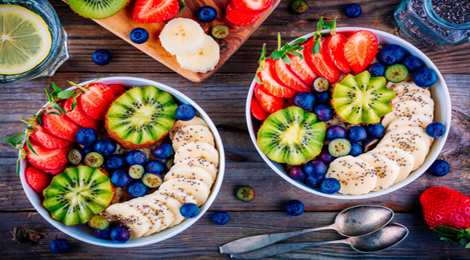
[(122, 23)]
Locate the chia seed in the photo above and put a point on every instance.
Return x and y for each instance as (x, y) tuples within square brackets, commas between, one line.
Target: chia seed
[(453, 11)]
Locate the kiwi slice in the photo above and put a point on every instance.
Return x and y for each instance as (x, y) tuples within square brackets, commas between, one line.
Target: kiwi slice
[(291, 136), (362, 98), (74, 196), (339, 147), (140, 117), (97, 9), (396, 73)]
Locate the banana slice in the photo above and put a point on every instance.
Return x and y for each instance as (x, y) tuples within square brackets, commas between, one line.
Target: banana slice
[(416, 120), (129, 217), (407, 108), (414, 96), (194, 173), (417, 132), (192, 133), (405, 88), (196, 188), (407, 143), (197, 150), (387, 170), (152, 214), (200, 163), (165, 214), (180, 123), (404, 159), (182, 36), (355, 175), (173, 204), (202, 60), (182, 196)]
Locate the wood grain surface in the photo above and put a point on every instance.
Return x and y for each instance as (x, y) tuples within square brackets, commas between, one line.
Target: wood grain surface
[(223, 97)]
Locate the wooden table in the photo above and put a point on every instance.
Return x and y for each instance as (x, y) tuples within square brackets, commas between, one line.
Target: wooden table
[(223, 98)]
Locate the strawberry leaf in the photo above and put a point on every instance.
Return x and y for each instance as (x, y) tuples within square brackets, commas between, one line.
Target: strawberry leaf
[(58, 107), (66, 94), (258, 80), (21, 157), (299, 41), (39, 118), (16, 140), (48, 94), (296, 54), (286, 59), (320, 24), (329, 26), (316, 47), (56, 91), (74, 103), (277, 55), (30, 147), (262, 58), (182, 6), (52, 112)]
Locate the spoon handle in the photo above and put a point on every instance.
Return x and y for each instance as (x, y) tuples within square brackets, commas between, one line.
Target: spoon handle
[(277, 249), (247, 244)]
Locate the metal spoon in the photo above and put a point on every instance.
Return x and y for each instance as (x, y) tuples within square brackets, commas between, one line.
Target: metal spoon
[(351, 222), (387, 237)]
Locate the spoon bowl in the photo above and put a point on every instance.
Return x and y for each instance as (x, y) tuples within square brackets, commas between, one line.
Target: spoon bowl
[(362, 220), (382, 239)]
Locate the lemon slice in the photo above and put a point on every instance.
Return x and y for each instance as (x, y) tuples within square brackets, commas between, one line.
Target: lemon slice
[(25, 39)]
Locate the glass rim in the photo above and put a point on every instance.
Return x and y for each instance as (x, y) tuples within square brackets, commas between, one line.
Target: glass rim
[(436, 18)]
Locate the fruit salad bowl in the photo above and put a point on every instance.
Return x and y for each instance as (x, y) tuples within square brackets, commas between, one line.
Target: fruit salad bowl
[(442, 113), (85, 234)]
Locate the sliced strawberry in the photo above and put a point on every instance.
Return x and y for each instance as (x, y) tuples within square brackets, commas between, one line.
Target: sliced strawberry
[(253, 6), (42, 137), (335, 45), (78, 116), (268, 102), (360, 49), (301, 69), (239, 17), (96, 100), (60, 126), (257, 110), (117, 89), (56, 170), (271, 84), (282, 74), (47, 159), (155, 11), (37, 179), (321, 63), (289, 103)]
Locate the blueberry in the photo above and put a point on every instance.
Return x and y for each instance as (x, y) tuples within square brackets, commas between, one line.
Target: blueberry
[(325, 156), (137, 189), (322, 97), (353, 10), (114, 162), (295, 208), (163, 151), (185, 112), (155, 167), (412, 63), (304, 100), (119, 234), (207, 14), (120, 178), (86, 136), (375, 130), (101, 57), (296, 173), (356, 149), (88, 149), (424, 77), (435, 129), (376, 69), (334, 132), (369, 144), (189, 210), (220, 217), (439, 168), (314, 182), (315, 168), (59, 245), (105, 146), (135, 157), (139, 35), (357, 134), (330, 185), (391, 54), (103, 234), (323, 113)]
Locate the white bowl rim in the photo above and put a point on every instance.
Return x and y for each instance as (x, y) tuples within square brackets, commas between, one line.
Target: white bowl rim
[(417, 173), (30, 193)]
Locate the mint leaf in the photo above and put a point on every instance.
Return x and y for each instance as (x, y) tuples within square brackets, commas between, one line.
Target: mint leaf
[(182, 6), (56, 106), (65, 94), (16, 140), (316, 47)]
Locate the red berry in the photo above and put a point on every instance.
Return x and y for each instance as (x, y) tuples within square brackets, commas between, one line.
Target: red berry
[(253, 6), (335, 45), (268, 102), (360, 49), (301, 69), (78, 116), (240, 17), (42, 137), (321, 63), (60, 126), (155, 11), (48, 160), (37, 179), (257, 110), (96, 100), (271, 85), (282, 74), (117, 89)]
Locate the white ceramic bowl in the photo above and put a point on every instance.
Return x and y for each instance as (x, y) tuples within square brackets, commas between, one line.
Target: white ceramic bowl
[(85, 234), (442, 113)]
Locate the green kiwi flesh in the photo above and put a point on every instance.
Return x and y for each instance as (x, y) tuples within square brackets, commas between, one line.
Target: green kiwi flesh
[(291, 136), (97, 9)]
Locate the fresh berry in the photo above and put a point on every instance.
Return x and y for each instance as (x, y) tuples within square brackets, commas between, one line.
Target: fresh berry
[(396, 73), (59, 246), (353, 10), (391, 54), (335, 132), (95, 100), (139, 35), (189, 210), (155, 167), (304, 100), (136, 171), (376, 69), (321, 84), (120, 178), (297, 173), (75, 156), (207, 14), (356, 149), (220, 31), (339, 147), (185, 112), (60, 126), (335, 44), (360, 49), (323, 113), (300, 67), (321, 63), (101, 57), (169, 163), (368, 144), (315, 168), (439, 168), (94, 159), (271, 82), (88, 149), (99, 222), (135, 157), (322, 97), (435, 129), (103, 234), (375, 130), (47, 160), (330, 186), (163, 151), (252, 6), (299, 6), (294, 208), (325, 156), (37, 179), (220, 217), (357, 134), (137, 189), (119, 234), (424, 77), (284, 76), (105, 146), (412, 63), (155, 11), (152, 179), (117, 89), (86, 136), (246, 193), (257, 110), (268, 102), (239, 17), (78, 116), (46, 140), (114, 162)]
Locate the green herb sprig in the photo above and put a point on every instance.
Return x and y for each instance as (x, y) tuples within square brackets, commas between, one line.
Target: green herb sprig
[(317, 36)]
